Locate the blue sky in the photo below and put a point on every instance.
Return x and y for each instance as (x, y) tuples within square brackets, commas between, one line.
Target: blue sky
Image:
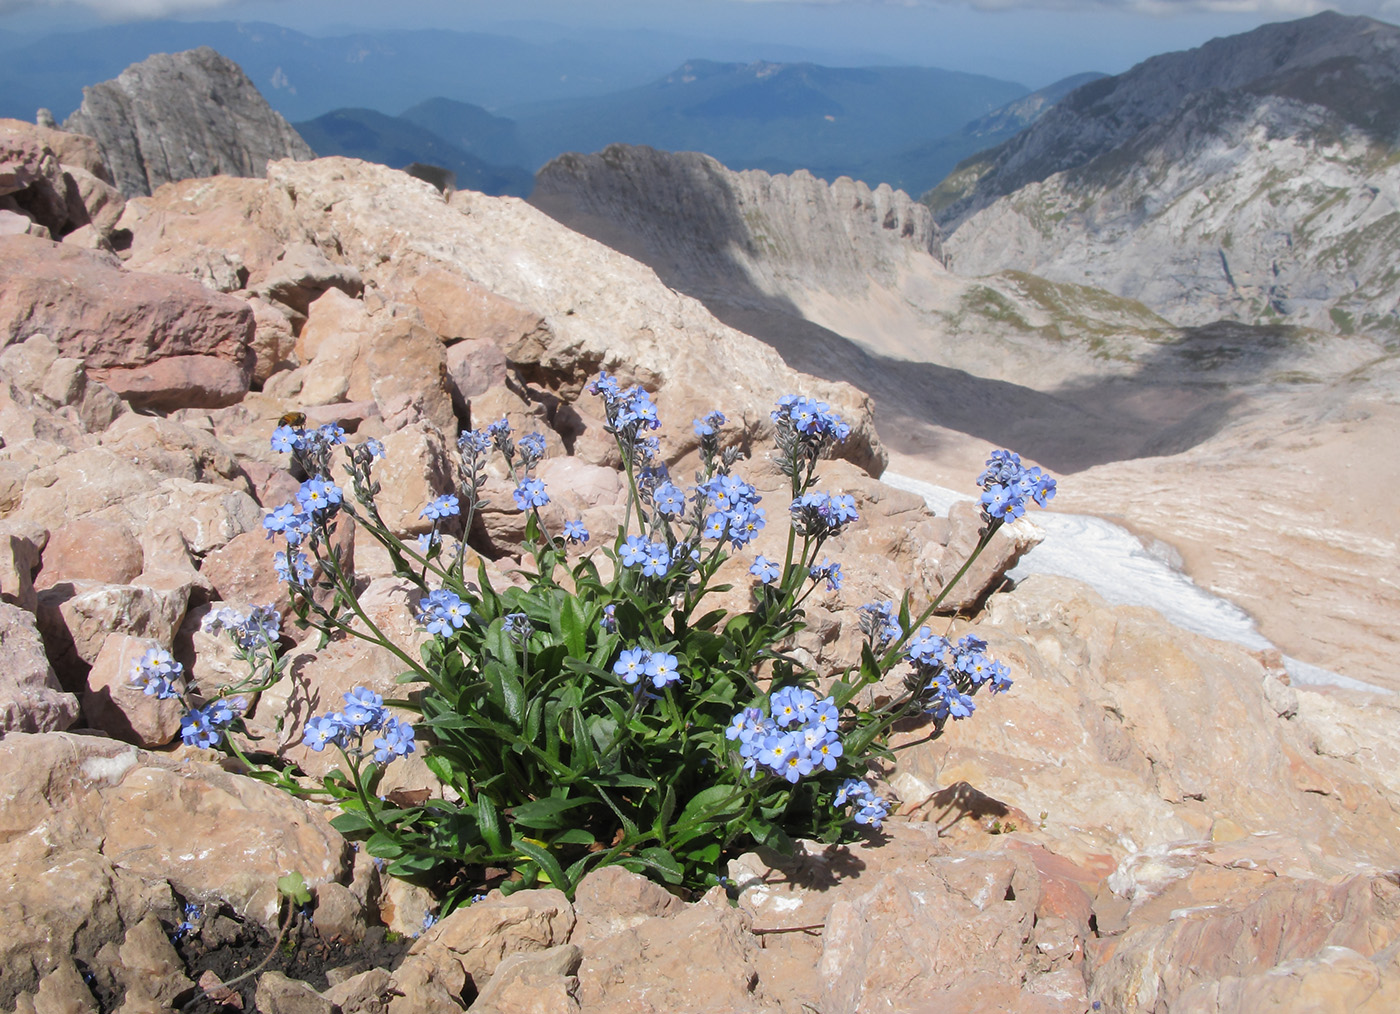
[(1030, 41)]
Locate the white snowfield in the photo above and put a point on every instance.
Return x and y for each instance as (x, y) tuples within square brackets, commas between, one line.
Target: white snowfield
[(1114, 562)]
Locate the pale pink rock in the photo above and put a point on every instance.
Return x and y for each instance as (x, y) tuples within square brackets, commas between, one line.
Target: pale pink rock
[(242, 570), (455, 306), (701, 958), (180, 382), (98, 203), (91, 549), (407, 367), (416, 467), (63, 991), (20, 546), (332, 313), (31, 698), (474, 365), (112, 318), (274, 343), (14, 223), (278, 994), (301, 273), (175, 450), (150, 968), (77, 617), (543, 982), (120, 709), (477, 938)]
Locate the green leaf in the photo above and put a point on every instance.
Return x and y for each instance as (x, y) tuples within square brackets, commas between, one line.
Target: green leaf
[(575, 627), (717, 803), (663, 817), (547, 864), (350, 822), (413, 865), (489, 820), (575, 836), (657, 859), (546, 814), (293, 888)]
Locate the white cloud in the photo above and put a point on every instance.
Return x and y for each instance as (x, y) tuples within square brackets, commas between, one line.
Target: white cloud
[(121, 10)]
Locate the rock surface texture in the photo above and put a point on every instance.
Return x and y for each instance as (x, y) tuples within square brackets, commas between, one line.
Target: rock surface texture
[(182, 115)]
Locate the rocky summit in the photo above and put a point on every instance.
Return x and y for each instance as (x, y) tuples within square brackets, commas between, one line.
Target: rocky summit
[(1149, 821), (176, 116)]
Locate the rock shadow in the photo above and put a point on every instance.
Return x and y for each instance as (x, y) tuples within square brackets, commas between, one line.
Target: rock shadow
[(688, 226)]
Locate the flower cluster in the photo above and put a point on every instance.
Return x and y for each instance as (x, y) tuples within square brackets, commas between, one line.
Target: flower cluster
[(154, 674), (364, 713), (443, 611), (880, 622), (736, 513), (826, 571), (658, 666), (442, 507), (810, 418), (797, 736), (949, 674), (256, 628), (653, 557), (821, 514), (204, 727), (867, 807), (1008, 485), (629, 412)]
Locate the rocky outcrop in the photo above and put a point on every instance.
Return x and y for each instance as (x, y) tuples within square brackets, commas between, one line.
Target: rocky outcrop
[(1251, 178), (726, 232), (183, 115), (55, 185)]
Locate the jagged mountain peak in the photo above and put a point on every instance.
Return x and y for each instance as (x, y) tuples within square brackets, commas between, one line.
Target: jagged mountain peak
[(176, 116), (1315, 59)]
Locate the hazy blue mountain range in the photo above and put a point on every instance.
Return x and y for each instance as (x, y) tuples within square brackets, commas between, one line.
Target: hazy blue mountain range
[(777, 117), (918, 168), (396, 142), (304, 76)]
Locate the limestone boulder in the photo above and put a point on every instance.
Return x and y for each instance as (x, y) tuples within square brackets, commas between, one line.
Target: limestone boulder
[(112, 318), (479, 937), (21, 544), (1170, 737), (274, 340), (216, 232), (302, 272), (31, 698), (92, 548), (180, 382), (122, 710), (77, 617), (407, 367), (1008, 545), (474, 365), (416, 467)]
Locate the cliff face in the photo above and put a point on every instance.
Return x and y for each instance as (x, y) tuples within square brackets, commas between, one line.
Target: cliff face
[(1253, 178), (741, 236), (180, 116)]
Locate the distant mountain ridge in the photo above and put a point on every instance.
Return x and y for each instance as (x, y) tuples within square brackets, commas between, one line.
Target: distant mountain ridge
[(773, 116), (397, 142), (1254, 178)]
